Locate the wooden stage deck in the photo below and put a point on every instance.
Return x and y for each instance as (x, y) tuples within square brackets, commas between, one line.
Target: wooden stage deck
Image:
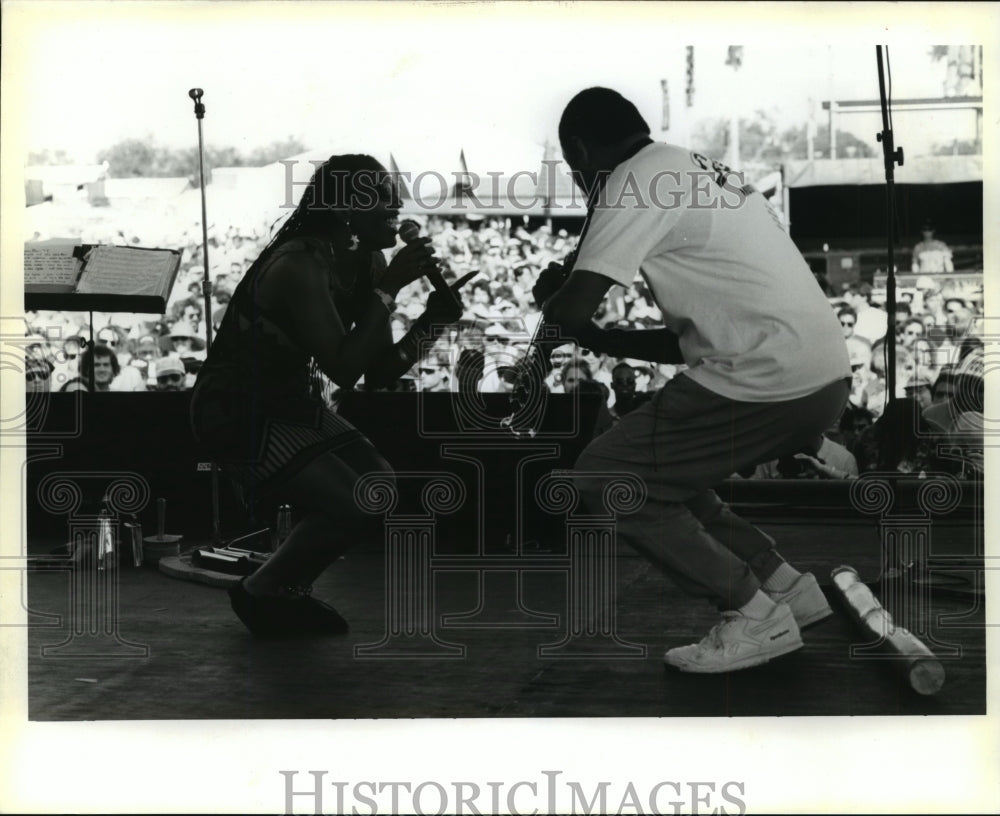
[(201, 663)]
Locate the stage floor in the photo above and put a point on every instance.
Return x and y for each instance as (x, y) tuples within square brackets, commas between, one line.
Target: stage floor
[(184, 654)]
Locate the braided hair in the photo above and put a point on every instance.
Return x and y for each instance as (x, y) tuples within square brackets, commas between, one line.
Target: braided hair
[(339, 186)]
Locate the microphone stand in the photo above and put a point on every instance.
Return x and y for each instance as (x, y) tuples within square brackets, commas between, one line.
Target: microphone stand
[(892, 156), (206, 289), (206, 282)]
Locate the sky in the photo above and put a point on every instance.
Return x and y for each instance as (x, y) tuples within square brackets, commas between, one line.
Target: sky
[(426, 82)]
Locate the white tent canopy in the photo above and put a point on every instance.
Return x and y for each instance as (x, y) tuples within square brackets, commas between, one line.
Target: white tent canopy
[(920, 170)]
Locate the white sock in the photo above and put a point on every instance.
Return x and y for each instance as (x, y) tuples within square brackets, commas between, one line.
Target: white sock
[(782, 578), (758, 607)]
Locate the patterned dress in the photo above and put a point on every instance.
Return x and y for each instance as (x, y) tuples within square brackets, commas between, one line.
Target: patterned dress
[(253, 407)]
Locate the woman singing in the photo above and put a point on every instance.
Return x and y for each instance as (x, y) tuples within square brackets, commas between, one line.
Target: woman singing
[(320, 294)]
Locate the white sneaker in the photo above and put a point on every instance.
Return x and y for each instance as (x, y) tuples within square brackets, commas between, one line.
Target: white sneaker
[(806, 599), (739, 642)]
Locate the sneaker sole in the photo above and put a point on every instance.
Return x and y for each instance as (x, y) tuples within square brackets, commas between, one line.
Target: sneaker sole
[(814, 618), (747, 662)]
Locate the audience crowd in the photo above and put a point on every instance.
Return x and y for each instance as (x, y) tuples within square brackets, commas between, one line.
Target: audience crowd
[(938, 357)]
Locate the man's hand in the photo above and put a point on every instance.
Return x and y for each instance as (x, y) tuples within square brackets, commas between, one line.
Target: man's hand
[(822, 468), (549, 282)]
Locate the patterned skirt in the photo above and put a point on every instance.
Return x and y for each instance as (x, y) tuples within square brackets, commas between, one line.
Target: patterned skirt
[(259, 445)]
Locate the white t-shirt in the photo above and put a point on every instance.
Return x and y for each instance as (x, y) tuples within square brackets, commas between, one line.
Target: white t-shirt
[(753, 323), (838, 457)]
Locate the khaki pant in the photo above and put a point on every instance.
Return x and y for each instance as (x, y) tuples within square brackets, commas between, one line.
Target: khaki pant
[(681, 443)]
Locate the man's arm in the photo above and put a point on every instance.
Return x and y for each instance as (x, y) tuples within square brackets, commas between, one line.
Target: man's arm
[(573, 306), (654, 345)]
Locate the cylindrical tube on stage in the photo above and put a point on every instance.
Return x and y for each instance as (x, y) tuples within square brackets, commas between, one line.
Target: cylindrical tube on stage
[(922, 669), (136, 531)]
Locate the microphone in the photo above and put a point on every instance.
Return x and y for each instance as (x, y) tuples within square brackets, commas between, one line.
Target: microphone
[(199, 107), (409, 231)]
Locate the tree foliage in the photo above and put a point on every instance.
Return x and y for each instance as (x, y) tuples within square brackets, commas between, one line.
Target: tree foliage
[(46, 157), (133, 157), (761, 142)]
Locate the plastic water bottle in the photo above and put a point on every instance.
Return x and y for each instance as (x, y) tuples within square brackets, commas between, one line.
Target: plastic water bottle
[(284, 525), (106, 553)]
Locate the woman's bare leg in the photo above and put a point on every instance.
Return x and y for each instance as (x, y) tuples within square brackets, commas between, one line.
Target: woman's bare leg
[(331, 521)]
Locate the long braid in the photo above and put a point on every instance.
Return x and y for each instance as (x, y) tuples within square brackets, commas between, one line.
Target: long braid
[(325, 203), (323, 207)]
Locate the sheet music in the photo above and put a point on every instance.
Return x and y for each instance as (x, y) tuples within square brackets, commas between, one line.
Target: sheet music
[(53, 269), (112, 270)]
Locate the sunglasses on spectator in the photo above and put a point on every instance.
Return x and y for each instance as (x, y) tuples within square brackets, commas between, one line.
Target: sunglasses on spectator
[(503, 341), (558, 356), (857, 366), (170, 378), (849, 323), (111, 343)]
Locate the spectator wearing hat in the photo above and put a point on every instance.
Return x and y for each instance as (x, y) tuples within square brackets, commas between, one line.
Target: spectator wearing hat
[(859, 352), (37, 375), (561, 356), (918, 389), (931, 255), (147, 352), (187, 345), (170, 374), (959, 317), (496, 355)]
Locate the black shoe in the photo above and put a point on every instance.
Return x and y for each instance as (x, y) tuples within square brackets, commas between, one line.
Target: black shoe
[(286, 616)]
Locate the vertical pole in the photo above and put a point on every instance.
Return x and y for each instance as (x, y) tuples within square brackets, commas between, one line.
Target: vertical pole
[(92, 383), (206, 288), (891, 157)]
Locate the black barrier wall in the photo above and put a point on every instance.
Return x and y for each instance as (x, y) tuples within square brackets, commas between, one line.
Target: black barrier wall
[(148, 434)]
